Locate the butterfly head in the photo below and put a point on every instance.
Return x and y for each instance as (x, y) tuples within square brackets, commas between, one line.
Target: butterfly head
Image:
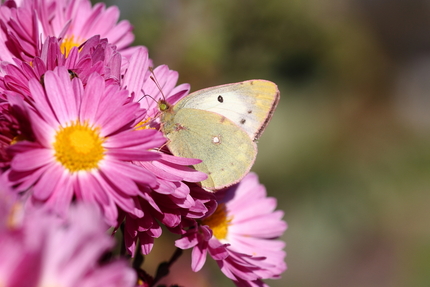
[(163, 105)]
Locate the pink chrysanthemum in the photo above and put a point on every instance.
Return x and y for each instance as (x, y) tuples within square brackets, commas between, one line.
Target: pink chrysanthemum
[(169, 210), (27, 24), (33, 250), (95, 55), (169, 200), (240, 235), (84, 141)]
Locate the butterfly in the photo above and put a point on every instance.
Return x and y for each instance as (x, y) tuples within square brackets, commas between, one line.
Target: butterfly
[(220, 126)]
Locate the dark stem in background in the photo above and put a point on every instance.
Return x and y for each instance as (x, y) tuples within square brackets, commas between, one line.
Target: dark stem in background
[(123, 251), (163, 268)]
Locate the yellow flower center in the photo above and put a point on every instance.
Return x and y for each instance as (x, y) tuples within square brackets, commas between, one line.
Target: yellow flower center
[(143, 125), (218, 222), (79, 147), (68, 43)]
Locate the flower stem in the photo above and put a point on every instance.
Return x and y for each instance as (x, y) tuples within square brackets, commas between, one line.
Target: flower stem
[(163, 268)]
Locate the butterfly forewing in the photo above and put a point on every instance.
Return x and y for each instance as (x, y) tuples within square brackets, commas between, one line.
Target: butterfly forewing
[(248, 104)]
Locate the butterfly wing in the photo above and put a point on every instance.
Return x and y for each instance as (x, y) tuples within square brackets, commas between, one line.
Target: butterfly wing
[(248, 104), (226, 150)]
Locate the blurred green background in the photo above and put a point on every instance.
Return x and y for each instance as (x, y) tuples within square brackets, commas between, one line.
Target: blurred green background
[(347, 153)]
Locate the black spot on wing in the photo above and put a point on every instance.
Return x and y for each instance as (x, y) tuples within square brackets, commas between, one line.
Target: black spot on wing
[(242, 121), (220, 99), (249, 111)]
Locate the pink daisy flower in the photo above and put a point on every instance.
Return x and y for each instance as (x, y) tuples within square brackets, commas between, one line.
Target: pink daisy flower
[(95, 55), (84, 141), (169, 199), (29, 23), (169, 210), (15, 83), (240, 235), (33, 250)]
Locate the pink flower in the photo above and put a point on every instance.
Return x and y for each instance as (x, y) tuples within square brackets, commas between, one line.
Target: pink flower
[(29, 23), (84, 141), (95, 55), (240, 235), (168, 209), (168, 198), (42, 250)]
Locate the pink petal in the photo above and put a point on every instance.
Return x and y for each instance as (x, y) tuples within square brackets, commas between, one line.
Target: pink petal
[(134, 78), (198, 256), (32, 159), (48, 182)]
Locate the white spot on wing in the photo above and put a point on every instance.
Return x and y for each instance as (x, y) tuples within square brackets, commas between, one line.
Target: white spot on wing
[(216, 139)]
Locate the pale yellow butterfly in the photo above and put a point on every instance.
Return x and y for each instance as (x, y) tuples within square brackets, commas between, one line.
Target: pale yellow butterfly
[(220, 125)]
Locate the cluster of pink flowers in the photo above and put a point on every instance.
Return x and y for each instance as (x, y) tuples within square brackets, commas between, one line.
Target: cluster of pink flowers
[(40, 249), (81, 151)]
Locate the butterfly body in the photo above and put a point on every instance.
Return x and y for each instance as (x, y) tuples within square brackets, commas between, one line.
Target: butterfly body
[(220, 125)]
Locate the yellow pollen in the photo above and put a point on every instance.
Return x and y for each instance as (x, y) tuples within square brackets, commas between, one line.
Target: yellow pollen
[(79, 147), (144, 124), (68, 43), (218, 222), (16, 139)]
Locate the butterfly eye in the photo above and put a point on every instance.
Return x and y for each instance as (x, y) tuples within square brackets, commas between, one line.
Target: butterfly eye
[(220, 99), (163, 106)]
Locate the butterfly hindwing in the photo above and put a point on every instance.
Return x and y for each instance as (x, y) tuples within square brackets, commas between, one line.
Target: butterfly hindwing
[(226, 151)]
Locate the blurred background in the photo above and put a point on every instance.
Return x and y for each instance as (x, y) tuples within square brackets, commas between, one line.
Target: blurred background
[(347, 153)]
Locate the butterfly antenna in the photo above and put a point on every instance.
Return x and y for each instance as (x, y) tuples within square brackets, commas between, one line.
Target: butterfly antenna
[(146, 95), (154, 79)]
